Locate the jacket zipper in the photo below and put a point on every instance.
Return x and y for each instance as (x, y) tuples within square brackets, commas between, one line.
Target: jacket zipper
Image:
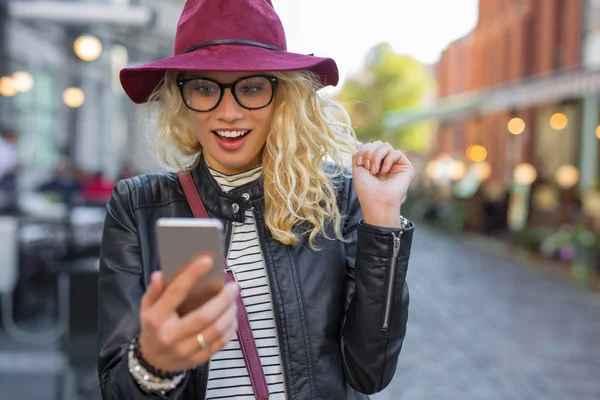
[(391, 281), (285, 391)]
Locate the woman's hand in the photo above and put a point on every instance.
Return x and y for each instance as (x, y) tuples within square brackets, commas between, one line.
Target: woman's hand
[(170, 342), (381, 177)]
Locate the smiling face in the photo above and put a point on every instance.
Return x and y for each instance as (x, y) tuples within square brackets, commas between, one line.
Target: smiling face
[(232, 137)]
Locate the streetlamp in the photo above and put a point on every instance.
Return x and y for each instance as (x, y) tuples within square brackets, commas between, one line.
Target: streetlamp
[(516, 126), (559, 121), (7, 87), (73, 97), (476, 153), (458, 170), (22, 81), (87, 48), (525, 174), (483, 170), (567, 176)]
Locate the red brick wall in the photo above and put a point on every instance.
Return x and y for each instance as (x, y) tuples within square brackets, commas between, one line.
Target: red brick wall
[(509, 35), (545, 35), (512, 40), (516, 45), (572, 34)]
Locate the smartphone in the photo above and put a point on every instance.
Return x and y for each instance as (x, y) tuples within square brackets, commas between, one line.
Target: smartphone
[(180, 240)]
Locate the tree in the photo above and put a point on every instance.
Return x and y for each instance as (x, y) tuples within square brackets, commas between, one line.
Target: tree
[(388, 82)]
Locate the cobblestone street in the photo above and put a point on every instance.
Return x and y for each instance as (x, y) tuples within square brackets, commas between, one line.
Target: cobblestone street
[(483, 327)]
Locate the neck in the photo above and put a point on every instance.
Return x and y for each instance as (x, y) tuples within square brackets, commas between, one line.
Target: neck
[(231, 169)]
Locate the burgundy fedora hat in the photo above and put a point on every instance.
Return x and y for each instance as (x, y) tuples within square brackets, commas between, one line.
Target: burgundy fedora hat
[(226, 35)]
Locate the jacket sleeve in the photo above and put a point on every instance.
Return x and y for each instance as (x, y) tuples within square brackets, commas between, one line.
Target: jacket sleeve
[(374, 324), (121, 286)]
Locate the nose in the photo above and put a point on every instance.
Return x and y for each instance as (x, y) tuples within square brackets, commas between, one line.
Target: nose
[(229, 109)]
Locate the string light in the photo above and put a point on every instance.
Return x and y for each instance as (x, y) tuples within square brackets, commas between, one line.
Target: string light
[(516, 126), (559, 121)]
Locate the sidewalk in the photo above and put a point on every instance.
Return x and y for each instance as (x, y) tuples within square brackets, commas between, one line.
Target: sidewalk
[(502, 248), (487, 324)]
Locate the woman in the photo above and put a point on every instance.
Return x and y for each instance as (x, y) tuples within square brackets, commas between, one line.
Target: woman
[(320, 256)]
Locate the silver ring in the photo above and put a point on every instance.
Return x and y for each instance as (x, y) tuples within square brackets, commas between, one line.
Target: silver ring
[(202, 342)]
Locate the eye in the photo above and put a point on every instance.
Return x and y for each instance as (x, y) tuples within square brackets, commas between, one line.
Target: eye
[(203, 89), (251, 89)]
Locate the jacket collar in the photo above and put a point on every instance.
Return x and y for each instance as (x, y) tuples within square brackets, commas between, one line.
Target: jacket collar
[(230, 205)]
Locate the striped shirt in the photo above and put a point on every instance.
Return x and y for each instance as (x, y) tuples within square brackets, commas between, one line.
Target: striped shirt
[(228, 377)]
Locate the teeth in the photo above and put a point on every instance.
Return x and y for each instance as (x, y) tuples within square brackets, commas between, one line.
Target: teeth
[(231, 134)]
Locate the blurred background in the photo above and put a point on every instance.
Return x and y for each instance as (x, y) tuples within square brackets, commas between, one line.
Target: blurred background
[(497, 103)]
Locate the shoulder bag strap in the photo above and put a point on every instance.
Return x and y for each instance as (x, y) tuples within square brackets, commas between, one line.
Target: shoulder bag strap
[(244, 333)]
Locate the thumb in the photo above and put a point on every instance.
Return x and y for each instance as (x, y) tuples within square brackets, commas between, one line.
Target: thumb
[(154, 290)]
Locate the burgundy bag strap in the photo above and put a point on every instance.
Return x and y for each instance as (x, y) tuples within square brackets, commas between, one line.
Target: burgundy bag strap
[(244, 333)]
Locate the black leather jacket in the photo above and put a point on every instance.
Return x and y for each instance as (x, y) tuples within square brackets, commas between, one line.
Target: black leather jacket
[(341, 311)]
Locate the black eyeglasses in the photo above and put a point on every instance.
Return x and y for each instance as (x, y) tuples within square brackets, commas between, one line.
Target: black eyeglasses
[(251, 92)]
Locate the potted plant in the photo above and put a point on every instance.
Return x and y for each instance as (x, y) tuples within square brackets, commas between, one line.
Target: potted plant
[(576, 245)]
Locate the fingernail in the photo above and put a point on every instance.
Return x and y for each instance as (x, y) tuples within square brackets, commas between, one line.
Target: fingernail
[(367, 164), (206, 257), (373, 169), (359, 160)]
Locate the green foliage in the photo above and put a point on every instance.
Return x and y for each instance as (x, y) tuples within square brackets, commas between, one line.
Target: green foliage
[(388, 82), (578, 236), (530, 239)]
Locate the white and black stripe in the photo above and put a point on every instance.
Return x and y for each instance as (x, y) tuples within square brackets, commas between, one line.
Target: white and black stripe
[(228, 376)]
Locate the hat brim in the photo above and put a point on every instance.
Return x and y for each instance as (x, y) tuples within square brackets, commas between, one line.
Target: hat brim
[(139, 82)]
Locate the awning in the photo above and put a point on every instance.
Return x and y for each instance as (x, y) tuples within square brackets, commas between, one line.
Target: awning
[(528, 92), (82, 13)]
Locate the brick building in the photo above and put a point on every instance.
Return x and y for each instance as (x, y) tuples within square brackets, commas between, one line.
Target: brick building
[(536, 64), (514, 41)]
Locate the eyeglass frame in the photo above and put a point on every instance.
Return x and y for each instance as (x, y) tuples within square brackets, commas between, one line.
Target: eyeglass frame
[(231, 86)]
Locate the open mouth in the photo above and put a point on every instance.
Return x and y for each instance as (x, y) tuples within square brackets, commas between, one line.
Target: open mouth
[(231, 135)]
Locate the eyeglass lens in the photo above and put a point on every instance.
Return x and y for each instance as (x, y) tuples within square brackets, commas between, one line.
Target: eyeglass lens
[(253, 92)]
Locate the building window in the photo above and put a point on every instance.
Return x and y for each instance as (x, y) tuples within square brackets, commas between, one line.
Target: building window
[(36, 121)]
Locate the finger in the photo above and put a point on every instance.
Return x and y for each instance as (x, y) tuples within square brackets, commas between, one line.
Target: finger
[(364, 154), (367, 148), (216, 336), (199, 319), (379, 154), (215, 347), (403, 165), (363, 148), (179, 288), (216, 333), (392, 158), (368, 151), (153, 291)]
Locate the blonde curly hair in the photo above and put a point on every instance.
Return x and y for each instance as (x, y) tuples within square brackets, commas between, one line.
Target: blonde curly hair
[(308, 130)]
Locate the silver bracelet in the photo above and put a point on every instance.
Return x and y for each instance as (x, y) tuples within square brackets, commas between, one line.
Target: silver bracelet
[(145, 380), (403, 222)]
